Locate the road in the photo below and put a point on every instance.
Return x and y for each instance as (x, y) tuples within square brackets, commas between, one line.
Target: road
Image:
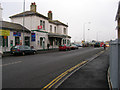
[(36, 71)]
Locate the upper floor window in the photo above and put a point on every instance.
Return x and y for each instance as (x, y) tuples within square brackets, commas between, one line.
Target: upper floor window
[(64, 31), (55, 30), (43, 25), (50, 28)]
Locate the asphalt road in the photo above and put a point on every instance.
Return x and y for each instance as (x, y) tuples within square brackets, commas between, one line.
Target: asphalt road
[(36, 71), (91, 76)]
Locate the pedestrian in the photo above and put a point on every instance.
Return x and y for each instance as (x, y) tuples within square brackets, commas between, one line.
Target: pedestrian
[(48, 45), (104, 46)]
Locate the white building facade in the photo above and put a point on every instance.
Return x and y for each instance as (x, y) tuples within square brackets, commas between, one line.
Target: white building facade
[(43, 29)]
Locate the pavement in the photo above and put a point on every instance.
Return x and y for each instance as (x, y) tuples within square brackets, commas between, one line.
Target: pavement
[(91, 76)]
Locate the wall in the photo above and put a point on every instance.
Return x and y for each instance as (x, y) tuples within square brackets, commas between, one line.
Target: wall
[(115, 63), (31, 22)]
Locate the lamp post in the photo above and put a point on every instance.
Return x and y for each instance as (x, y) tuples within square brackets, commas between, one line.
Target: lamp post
[(84, 30), (23, 21)]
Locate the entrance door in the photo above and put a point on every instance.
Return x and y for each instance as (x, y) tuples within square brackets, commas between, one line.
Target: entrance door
[(17, 40), (27, 41)]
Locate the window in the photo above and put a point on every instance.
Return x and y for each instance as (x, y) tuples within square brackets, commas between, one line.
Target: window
[(41, 40), (64, 41), (64, 30), (3, 42), (43, 25), (55, 30), (50, 28)]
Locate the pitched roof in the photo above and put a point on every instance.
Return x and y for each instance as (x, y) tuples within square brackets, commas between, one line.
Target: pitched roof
[(12, 26), (29, 13), (57, 22)]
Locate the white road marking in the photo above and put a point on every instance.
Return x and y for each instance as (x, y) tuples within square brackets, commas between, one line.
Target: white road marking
[(10, 63)]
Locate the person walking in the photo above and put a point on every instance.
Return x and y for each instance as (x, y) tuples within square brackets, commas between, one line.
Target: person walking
[(104, 46), (48, 45)]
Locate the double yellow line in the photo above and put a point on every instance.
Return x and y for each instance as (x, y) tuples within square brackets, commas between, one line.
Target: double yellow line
[(54, 81)]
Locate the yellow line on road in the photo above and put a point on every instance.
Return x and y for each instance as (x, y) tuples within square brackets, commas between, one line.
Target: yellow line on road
[(54, 81)]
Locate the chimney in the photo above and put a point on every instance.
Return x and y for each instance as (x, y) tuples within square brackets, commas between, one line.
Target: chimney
[(50, 15), (33, 7)]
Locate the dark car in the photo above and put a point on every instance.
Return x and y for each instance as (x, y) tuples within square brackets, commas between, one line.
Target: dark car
[(64, 47), (22, 49)]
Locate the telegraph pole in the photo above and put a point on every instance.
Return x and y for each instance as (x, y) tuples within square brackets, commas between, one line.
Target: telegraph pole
[(23, 21)]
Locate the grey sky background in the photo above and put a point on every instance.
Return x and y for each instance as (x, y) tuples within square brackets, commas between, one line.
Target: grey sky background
[(100, 13)]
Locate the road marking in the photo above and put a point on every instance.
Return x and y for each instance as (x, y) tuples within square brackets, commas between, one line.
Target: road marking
[(72, 70), (10, 63), (54, 81)]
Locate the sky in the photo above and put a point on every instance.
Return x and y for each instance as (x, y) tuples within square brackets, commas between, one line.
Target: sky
[(96, 17)]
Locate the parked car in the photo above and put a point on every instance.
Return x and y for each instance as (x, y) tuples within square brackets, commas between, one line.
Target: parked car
[(78, 45), (22, 49), (73, 47), (97, 44), (64, 47)]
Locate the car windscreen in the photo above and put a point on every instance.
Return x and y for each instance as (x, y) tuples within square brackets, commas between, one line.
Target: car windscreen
[(16, 47)]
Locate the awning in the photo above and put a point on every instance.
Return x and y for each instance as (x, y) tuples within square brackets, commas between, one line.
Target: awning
[(58, 35)]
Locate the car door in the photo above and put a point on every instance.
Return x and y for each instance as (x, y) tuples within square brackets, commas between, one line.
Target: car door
[(27, 49)]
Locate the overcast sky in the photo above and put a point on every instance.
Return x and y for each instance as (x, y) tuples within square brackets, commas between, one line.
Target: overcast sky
[(100, 13)]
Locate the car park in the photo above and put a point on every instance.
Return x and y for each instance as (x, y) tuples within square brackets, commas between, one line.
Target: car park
[(22, 49), (64, 47)]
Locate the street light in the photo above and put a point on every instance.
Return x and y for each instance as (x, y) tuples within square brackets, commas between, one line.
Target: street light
[(84, 30), (23, 21)]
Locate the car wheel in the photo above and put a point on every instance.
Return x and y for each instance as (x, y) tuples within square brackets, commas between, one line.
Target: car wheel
[(34, 52), (23, 53)]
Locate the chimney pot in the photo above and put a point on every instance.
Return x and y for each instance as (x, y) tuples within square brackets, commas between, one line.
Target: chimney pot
[(33, 7), (50, 15)]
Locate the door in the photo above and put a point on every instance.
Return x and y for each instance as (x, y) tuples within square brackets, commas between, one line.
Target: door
[(17, 40), (27, 41)]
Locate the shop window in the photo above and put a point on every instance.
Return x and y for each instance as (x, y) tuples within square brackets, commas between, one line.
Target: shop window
[(3, 41), (17, 40)]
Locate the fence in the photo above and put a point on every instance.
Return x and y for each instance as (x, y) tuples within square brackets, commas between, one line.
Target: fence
[(115, 63)]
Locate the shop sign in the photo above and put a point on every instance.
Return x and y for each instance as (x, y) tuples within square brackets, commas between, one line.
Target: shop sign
[(32, 36), (40, 27), (4, 32), (16, 34)]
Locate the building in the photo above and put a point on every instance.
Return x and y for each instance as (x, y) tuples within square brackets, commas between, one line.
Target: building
[(118, 20), (12, 34), (44, 30)]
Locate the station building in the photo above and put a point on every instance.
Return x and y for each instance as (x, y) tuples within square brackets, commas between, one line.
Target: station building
[(39, 30)]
